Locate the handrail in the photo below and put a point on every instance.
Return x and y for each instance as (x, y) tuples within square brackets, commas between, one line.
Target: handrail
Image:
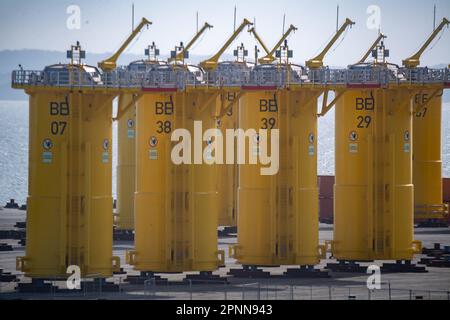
[(280, 77)]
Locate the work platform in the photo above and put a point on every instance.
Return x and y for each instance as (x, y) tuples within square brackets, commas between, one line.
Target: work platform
[(122, 81)]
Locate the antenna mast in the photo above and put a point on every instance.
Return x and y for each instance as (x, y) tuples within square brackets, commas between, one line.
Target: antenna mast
[(132, 17), (337, 18), (197, 21), (234, 27), (434, 18)]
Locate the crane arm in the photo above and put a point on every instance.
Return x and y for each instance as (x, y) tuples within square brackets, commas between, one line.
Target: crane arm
[(414, 61), (180, 55), (317, 62), (211, 63), (258, 38), (374, 45), (111, 63), (269, 58)]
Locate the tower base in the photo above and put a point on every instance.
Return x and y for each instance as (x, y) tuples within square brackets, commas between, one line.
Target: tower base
[(305, 272), (36, 286), (249, 272), (205, 277), (402, 267), (144, 277), (346, 266)]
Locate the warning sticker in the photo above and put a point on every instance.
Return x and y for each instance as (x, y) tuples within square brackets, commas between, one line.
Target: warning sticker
[(105, 157), (407, 135), (153, 154), (153, 142), (47, 144), (130, 134), (47, 157), (105, 144), (407, 148), (311, 150), (353, 148)]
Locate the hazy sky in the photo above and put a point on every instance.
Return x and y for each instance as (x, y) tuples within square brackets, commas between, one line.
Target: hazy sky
[(26, 24)]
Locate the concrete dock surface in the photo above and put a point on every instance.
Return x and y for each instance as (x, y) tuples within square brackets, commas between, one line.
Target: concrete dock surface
[(435, 284)]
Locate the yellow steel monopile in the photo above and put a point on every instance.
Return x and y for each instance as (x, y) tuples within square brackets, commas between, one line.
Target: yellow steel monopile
[(126, 160), (126, 163), (176, 218), (373, 201), (159, 202), (126, 154), (69, 220), (374, 191), (228, 177), (427, 168), (278, 215), (227, 184), (427, 161)]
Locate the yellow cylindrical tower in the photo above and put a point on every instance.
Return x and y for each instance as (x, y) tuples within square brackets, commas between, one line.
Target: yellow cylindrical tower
[(301, 118), (155, 115), (374, 192), (69, 219), (228, 172), (278, 215), (427, 157), (203, 183), (176, 205), (126, 167), (256, 215), (126, 160)]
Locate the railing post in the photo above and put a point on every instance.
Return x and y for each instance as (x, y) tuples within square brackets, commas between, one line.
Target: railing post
[(390, 293), (154, 287), (259, 291), (225, 292), (190, 289), (276, 292)]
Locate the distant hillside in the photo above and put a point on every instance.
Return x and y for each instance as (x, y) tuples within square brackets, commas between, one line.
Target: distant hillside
[(38, 59)]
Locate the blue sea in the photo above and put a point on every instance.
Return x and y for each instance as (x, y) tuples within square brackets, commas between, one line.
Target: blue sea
[(14, 148)]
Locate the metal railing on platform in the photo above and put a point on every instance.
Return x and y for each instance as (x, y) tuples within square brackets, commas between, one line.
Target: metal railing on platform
[(278, 77)]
